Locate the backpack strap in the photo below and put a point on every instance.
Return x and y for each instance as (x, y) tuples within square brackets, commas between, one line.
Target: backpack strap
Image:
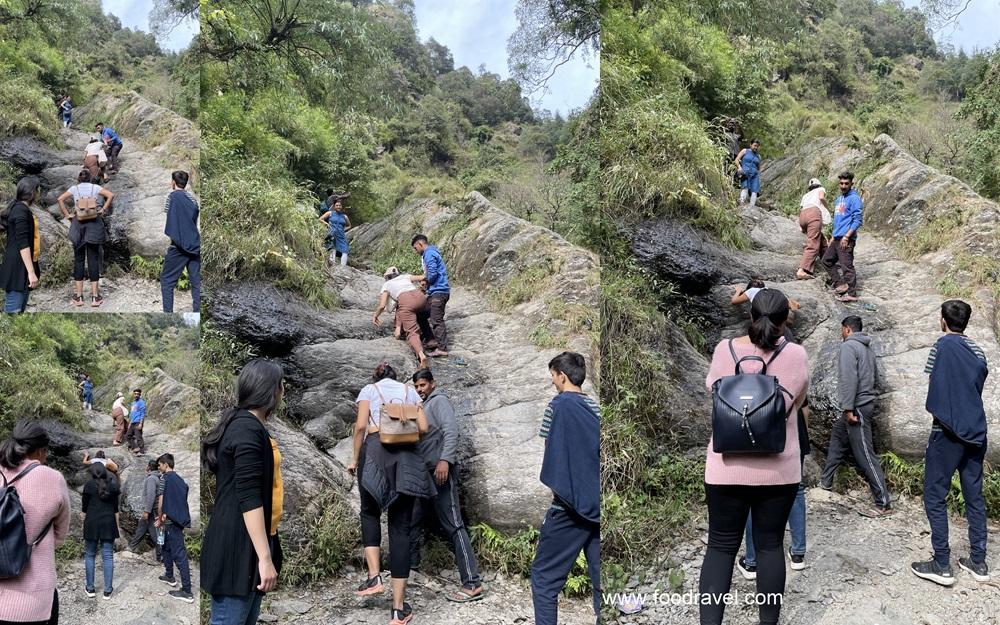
[(24, 472), (28, 469)]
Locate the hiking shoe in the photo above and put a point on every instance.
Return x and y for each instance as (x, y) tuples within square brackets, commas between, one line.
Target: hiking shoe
[(933, 571), (96, 300), (77, 300), (107, 593), (371, 586), (748, 571), (169, 581), (401, 617), (797, 562), (90, 592), (876, 512), (980, 572), (183, 595)]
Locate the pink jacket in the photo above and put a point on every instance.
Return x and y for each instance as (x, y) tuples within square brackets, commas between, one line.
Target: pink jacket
[(792, 370), (44, 495)]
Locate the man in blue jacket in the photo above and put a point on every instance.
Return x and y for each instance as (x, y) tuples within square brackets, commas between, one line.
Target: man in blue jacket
[(112, 145), (173, 516), (438, 291), (958, 370), (137, 415), (185, 243), (839, 257), (571, 427)]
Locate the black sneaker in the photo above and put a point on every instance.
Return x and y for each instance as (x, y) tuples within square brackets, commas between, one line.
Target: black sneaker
[(169, 581), (797, 562), (933, 571), (401, 617), (980, 572), (90, 592), (371, 586), (183, 595), (748, 571), (107, 593)]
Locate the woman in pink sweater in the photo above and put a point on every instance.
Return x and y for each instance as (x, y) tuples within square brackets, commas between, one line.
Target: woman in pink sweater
[(762, 485), (31, 596)]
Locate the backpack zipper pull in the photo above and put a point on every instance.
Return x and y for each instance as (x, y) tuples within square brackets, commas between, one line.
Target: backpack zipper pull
[(746, 424)]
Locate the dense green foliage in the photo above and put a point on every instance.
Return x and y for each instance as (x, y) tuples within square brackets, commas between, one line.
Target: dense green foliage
[(54, 47), (42, 354)]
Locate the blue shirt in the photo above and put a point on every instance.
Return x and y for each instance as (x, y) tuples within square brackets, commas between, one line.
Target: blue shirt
[(138, 410), (750, 163), (108, 133), (435, 271), (847, 214), (88, 386)]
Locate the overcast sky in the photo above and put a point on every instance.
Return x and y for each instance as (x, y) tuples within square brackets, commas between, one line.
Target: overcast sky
[(976, 28), (135, 14), (477, 33)]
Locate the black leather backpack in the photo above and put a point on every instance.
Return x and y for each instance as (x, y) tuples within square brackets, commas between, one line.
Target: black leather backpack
[(15, 550), (748, 410)]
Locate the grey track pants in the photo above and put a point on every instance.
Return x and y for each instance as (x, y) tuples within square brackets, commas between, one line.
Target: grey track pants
[(856, 439)]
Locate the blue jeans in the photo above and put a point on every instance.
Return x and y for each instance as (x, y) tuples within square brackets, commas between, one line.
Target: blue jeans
[(107, 558), (945, 455), (15, 301), (796, 524), (235, 609)]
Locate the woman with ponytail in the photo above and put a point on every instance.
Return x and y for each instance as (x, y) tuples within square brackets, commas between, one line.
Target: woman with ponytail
[(31, 596), (761, 485), (241, 553), (100, 525)]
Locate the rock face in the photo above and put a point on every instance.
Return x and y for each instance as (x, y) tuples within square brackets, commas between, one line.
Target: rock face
[(496, 376)]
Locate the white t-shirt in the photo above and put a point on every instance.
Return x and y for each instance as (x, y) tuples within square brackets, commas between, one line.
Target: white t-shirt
[(95, 149), (398, 285), (85, 189), (813, 198), (752, 293), (103, 461), (394, 393)]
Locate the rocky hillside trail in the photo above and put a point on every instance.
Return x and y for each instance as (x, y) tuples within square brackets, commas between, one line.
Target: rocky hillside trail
[(496, 376), (156, 142)]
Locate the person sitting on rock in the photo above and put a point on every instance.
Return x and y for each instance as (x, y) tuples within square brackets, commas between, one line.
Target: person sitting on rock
[(813, 215), (748, 165), (87, 390), (146, 523), (185, 243), (338, 223), (852, 431), (958, 371), (133, 437), (571, 428), (112, 145), (20, 270), (173, 516), (100, 526), (100, 458), (438, 290), (118, 412), (390, 478), (839, 256), (95, 160), (87, 234), (439, 449), (410, 301)]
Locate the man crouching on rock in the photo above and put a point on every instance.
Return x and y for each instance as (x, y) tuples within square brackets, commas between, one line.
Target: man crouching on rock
[(571, 428), (438, 449)]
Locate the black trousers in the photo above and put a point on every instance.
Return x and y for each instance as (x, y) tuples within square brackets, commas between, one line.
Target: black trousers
[(856, 439), (133, 437), (400, 516), (438, 302), (173, 266), (728, 506), (91, 254), (945, 455), (564, 534), (839, 264), (112, 151), (447, 510), (52, 620), (146, 529), (175, 552)]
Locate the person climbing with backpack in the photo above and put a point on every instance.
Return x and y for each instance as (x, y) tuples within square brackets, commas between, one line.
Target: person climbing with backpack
[(20, 270), (34, 520), (112, 144), (758, 381), (391, 477), (87, 234)]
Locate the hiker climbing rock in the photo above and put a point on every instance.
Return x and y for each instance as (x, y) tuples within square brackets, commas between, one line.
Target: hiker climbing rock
[(813, 215), (66, 110), (95, 160), (87, 234), (112, 145), (839, 256), (185, 243), (852, 431), (338, 223), (958, 369), (748, 165), (438, 291), (410, 303), (20, 270)]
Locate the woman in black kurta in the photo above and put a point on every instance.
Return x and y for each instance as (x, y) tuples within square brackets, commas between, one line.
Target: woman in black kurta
[(19, 271), (100, 525), (241, 554)]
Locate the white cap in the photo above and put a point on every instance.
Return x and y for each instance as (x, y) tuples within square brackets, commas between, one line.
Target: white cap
[(814, 182), (391, 271)]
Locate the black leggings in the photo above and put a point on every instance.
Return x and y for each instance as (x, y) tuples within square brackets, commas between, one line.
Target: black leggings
[(400, 514), (728, 506), (91, 253), (52, 620)]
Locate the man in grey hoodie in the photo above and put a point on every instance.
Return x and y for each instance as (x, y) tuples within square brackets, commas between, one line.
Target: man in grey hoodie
[(852, 431), (146, 518), (438, 449)]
